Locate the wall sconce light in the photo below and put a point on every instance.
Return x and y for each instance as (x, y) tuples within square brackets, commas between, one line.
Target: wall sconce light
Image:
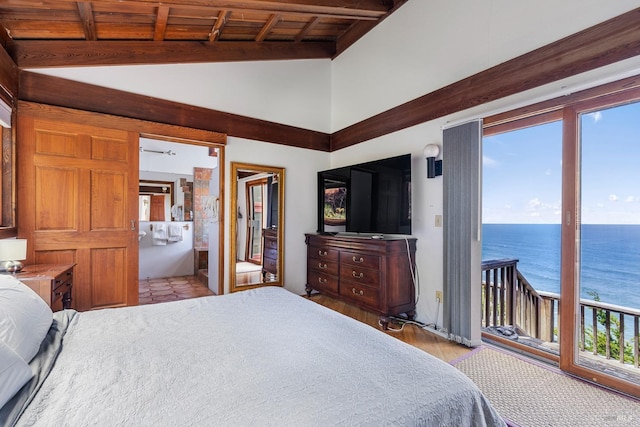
[(434, 167), (12, 251)]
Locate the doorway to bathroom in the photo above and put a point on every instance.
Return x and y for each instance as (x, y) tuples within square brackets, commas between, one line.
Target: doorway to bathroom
[(179, 235)]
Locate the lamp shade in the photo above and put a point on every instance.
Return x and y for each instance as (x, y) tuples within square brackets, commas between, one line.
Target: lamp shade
[(13, 249), (431, 150)]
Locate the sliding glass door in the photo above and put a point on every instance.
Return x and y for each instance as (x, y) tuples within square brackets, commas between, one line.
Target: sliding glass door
[(590, 321), (604, 242)]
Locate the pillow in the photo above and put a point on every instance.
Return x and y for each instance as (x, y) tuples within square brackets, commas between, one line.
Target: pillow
[(14, 373), (24, 317)]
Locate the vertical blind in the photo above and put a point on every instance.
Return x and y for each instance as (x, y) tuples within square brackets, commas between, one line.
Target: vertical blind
[(461, 170)]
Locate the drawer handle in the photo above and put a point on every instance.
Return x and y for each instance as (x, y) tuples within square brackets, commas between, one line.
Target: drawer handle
[(322, 266), (321, 280), (322, 253), (357, 276), (358, 260), (360, 292)]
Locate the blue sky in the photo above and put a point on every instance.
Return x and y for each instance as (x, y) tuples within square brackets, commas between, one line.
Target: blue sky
[(522, 171)]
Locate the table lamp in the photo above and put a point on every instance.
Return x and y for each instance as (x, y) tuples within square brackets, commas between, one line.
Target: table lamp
[(12, 251)]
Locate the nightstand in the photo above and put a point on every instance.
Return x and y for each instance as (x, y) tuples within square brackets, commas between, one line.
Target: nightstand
[(53, 282)]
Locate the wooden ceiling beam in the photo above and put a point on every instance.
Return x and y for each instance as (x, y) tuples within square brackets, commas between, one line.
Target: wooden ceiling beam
[(88, 22), (73, 53), (266, 29), (359, 29), (56, 91), (353, 9), (223, 16), (5, 38), (162, 17), (307, 28)]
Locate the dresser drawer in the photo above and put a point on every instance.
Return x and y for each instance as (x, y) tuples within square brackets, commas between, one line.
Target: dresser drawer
[(270, 253), (360, 293), (358, 274), (323, 253), (59, 294), (61, 279), (361, 260), (270, 265), (270, 243), (53, 282), (322, 281), (324, 266)]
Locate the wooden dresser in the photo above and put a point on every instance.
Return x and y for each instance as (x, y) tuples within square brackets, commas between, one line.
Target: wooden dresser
[(53, 282), (375, 274), (269, 254)]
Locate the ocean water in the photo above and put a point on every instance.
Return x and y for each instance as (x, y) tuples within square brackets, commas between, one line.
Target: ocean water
[(610, 257)]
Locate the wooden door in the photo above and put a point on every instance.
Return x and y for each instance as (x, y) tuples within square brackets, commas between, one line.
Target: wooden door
[(157, 207), (78, 203)]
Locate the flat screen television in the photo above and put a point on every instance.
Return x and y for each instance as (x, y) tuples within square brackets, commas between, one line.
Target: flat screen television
[(372, 198)]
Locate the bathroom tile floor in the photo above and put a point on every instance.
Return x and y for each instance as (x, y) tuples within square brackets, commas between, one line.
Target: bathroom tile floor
[(171, 289)]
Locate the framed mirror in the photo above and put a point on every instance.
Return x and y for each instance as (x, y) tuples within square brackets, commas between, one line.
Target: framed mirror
[(257, 226), (169, 198)]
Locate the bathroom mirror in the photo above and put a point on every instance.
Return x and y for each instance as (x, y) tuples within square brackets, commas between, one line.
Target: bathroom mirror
[(169, 197), (257, 226)]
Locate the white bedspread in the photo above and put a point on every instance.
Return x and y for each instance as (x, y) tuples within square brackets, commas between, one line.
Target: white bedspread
[(253, 358)]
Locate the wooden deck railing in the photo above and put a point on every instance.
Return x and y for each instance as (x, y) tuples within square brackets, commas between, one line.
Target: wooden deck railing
[(509, 299)]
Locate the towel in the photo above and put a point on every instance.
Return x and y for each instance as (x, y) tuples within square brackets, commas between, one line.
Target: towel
[(159, 234), (174, 232)]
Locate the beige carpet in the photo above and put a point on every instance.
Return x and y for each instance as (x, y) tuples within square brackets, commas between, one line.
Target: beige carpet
[(527, 393)]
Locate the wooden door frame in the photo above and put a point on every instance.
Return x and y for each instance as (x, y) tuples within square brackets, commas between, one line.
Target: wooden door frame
[(258, 182), (147, 129)]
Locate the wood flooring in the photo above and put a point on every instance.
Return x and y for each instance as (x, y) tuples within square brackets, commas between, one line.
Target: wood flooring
[(431, 343)]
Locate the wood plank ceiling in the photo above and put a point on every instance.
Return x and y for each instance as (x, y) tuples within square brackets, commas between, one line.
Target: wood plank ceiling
[(45, 33)]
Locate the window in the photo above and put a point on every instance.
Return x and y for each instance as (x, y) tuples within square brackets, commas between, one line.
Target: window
[(7, 183)]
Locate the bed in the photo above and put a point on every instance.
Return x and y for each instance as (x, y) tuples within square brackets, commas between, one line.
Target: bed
[(259, 357)]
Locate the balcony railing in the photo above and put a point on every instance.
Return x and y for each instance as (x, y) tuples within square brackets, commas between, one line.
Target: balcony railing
[(509, 300)]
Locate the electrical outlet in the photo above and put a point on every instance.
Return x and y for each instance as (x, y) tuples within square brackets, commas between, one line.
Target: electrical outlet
[(438, 221), (439, 296)]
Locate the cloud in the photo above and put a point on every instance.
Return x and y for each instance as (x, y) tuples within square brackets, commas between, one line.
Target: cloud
[(613, 198), (488, 161), (597, 116), (547, 172), (535, 203), (631, 199)]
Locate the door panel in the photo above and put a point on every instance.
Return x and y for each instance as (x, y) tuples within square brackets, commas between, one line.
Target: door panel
[(78, 203), (108, 200), (109, 265), (56, 193), (606, 280)]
